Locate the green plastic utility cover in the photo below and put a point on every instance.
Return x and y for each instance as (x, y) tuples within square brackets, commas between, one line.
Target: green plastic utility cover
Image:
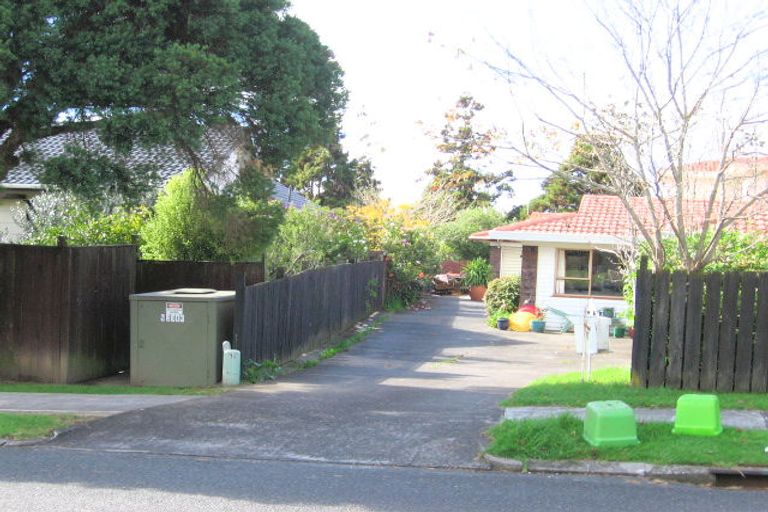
[(697, 415), (610, 423)]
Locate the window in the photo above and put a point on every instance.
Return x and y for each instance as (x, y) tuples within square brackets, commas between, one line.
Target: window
[(588, 273)]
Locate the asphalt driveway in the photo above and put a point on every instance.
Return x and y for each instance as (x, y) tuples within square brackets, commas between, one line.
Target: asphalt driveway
[(418, 392)]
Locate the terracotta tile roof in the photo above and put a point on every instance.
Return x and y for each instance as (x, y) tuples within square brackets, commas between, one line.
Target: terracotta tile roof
[(714, 165), (606, 215)]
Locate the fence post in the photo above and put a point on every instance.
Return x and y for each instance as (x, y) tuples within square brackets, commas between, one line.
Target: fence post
[(61, 241), (641, 339), (240, 287)]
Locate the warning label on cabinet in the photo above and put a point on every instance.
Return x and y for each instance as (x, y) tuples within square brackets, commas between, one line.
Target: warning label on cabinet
[(174, 313)]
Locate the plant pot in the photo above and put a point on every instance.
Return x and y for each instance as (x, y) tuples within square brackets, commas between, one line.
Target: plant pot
[(538, 325), (502, 323), (619, 331), (477, 293)]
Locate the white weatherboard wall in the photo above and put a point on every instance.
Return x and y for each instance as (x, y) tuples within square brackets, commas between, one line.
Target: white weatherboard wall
[(6, 220), (546, 273), (511, 260)]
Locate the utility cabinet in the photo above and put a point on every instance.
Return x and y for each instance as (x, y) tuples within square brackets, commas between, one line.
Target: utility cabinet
[(176, 336)]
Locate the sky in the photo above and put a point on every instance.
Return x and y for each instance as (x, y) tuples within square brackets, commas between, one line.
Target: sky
[(407, 62)]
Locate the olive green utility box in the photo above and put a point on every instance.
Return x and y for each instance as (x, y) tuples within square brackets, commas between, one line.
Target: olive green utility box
[(176, 336)]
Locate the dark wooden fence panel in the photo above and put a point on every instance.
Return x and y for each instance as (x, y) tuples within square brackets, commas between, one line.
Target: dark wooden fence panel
[(153, 276), (281, 319), (701, 332), (64, 311)]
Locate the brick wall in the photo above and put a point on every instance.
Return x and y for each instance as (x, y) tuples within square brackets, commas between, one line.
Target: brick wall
[(528, 274), (496, 261)]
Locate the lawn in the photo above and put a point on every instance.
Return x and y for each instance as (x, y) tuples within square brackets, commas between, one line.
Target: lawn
[(560, 439), (613, 384), (88, 389), (30, 426)]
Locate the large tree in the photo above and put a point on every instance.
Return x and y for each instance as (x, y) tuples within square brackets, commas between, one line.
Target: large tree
[(162, 71), (328, 176), (464, 174), (690, 87), (581, 173)]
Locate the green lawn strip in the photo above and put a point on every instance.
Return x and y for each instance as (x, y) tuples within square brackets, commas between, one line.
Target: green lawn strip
[(560, 439), (613, 384), (30, 426), (347, 343), (90, 389)]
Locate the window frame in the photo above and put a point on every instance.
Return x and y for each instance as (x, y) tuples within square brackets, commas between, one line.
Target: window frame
[(562, 278)]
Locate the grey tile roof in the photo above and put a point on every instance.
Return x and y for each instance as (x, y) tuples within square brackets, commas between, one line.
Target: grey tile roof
[(219, 151)]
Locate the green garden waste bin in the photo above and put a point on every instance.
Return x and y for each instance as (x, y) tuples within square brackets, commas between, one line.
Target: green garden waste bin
[(176, 336)]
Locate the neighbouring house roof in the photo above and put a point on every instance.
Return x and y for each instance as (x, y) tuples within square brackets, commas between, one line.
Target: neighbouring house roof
[(219, 150), (604, 219)]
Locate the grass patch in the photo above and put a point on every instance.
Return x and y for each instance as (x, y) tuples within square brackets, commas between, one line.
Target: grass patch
[(31, 426), (90, 389), (347, 343), (560, 439), (613, 384)]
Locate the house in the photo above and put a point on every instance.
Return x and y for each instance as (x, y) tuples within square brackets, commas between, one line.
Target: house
[(738, 179), (221, 149), (566, 259)]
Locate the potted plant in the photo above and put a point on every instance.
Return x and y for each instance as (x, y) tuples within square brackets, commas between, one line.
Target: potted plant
[(477, 273), (538, 324)]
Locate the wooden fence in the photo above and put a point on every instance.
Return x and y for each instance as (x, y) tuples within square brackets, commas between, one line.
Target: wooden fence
[(167, 275), (64, 311), (701, 331), (281, 319)]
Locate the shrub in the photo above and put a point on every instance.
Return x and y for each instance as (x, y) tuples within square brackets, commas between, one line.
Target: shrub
[(454, 235), (315, 237), (194, 223), (51, 215), (494, 317), (503, 295), (477, 272)]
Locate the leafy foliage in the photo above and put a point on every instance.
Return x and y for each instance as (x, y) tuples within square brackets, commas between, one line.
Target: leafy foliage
[(477, 272), (454, 236), (329, 177), (315, 237), (261, 371), (51, 215), (503, 295), (411, 248), (580, 174), (193, 223), (463, 174)]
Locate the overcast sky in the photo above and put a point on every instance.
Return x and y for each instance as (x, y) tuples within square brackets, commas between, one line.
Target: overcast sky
[(407, 61)]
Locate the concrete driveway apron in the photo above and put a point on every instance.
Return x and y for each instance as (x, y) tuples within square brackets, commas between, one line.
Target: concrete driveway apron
[(418, 392)]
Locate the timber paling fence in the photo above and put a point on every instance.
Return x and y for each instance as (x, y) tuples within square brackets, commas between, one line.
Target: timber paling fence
[(704, 332), (280, 319), (64, 311)]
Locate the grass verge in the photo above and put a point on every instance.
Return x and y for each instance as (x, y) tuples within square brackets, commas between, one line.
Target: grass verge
[(613, 384), (92, 389), (560, 439), (344, 344), (31, 426)]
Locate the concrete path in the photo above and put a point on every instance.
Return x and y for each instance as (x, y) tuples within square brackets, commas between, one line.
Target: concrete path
[(86, 405), (747, 420), (419, 392)]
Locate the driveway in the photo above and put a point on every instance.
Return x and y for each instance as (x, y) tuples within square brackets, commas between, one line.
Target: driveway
[(418, 392)]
